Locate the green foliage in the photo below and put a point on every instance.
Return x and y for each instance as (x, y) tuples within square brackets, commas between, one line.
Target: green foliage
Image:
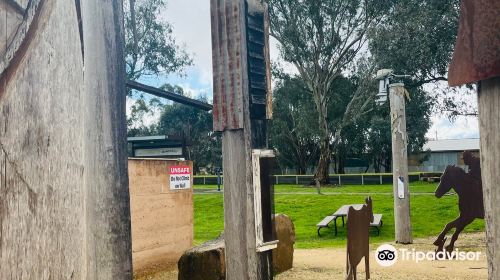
[(417, 38), (141, 112), (294, 129), (150, 46), (378, 133), (295, 133), (321, 39), (150, 50), (195, 125)]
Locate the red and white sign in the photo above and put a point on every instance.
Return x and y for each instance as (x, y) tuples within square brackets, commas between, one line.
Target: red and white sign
[(180, 177)]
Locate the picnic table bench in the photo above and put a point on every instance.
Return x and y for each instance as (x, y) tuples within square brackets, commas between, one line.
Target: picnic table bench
[(342, 213)]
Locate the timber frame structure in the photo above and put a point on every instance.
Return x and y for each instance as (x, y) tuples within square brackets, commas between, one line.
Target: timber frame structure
[(242, 106)]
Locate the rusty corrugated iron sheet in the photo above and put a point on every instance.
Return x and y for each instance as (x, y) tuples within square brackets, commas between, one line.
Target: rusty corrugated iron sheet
[(477, 51), (241, 67)]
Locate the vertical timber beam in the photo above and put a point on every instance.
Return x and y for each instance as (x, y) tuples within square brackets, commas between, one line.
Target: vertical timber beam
[(108, 234), (242, 105), (477, 59), (402, 220), (489, 125)]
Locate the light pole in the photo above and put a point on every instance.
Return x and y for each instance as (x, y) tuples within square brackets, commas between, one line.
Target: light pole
[(397, 94)]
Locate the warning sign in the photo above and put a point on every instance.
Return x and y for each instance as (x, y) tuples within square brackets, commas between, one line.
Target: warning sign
[(180, 177)]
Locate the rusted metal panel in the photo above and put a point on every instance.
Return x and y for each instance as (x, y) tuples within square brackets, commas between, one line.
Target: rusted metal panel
[(477, 51), (241, 68), (228, 55)]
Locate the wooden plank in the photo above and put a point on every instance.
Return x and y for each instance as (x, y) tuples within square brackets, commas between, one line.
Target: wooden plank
[(235, 205), (327, 220), (489, 124), (377, 220), (41, 140), (108, 234), (229, 63), (403, 230), (257, 155)]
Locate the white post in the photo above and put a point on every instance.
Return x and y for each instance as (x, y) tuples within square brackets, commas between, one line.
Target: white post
[(402, 221)]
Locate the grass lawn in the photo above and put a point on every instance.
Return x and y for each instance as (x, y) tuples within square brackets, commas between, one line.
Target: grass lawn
[(306, 209)]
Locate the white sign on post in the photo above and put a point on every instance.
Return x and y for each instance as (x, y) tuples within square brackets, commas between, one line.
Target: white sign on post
[(180, 177), (401, 187)]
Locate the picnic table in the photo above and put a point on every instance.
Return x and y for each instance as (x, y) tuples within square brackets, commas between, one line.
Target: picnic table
[(342, 213)]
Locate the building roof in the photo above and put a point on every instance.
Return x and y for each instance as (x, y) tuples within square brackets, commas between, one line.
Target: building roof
[(156, 138), (450, 145), (146, 138)]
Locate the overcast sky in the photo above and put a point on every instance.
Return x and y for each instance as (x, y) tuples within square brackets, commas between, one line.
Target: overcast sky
[(191, 24)]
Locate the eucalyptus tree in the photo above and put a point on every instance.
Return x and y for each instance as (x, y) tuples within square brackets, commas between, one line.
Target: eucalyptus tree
[(294, 129), (150, 51), (321, 39), (150, 46), (417, 37)]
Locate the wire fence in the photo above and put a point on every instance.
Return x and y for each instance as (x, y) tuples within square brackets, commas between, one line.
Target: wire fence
[(340, 179)]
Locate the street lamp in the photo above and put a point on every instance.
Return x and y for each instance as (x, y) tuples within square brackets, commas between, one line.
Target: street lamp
[(385, 77)]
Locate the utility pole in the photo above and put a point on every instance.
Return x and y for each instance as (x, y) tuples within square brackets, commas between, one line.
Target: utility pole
[(397, 96), (242, 106)]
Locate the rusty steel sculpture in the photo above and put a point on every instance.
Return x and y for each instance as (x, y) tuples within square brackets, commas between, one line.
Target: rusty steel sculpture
[(358, 240), (468, 187)]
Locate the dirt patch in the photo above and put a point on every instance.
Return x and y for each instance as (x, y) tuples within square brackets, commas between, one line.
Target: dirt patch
[(329, 264)]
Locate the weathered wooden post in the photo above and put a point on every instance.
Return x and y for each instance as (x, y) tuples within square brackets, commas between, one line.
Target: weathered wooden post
[(402, 221), (477, 59), (64, 201), (242, 104), (398, 95), (107, 201)]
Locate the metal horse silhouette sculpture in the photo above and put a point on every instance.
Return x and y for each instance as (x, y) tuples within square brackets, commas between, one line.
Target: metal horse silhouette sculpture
[(358, 228), (468, 187)]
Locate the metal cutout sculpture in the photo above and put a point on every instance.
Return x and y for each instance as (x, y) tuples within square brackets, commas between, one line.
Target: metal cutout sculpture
[(358, 240), (468, 187)]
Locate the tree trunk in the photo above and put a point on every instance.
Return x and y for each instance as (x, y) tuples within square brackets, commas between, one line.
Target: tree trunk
[(340, 162), (301, 170), (321, 174), (376, 165), (388, 165), (489, 120)]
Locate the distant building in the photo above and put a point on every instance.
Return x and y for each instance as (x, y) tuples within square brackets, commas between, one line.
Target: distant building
[(162, 146), (440, 153)]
